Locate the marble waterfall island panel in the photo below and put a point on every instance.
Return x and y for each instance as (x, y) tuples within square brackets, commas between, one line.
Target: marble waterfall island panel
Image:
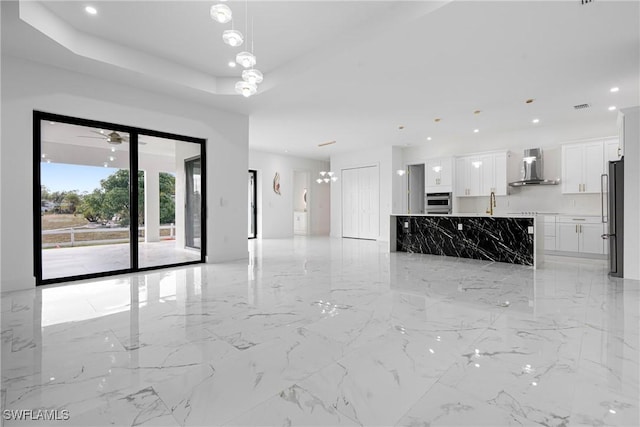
[(499, 239)]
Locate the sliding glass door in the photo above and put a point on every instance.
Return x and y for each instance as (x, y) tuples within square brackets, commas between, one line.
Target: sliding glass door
[(84, 213), (113, 199)]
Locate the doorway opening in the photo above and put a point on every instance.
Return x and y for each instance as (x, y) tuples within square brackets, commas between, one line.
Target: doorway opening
[(253, 204)]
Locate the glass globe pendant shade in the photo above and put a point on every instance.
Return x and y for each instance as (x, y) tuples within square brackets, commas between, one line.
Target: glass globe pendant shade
[(246, 59), (252, 76), (246, 89), (232, 37), (221, 13)]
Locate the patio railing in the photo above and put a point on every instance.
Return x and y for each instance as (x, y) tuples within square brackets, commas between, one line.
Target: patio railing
[(97, 236)]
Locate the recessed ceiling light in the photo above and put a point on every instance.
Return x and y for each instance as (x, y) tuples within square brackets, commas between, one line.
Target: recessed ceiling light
[(529, 101), (91, 10), (52, 123), (476, 130), (614, 89), (535, 121), (232, 64), (428, 138), (613, 107)]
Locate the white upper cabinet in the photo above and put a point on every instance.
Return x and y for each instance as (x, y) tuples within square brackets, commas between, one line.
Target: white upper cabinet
[(481, 174), (612, 152), (439, 175), (584, 162), (593, 167)]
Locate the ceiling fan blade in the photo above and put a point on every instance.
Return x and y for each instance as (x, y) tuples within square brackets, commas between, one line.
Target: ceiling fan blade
[(91, 137), (99, 133)]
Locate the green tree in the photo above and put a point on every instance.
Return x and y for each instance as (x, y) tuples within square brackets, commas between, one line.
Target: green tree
[(167, 198), (112, 199), (91, 206), (71, 202)]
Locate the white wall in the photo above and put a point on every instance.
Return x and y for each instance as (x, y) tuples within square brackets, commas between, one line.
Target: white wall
[(275, 212), (381, 157), (631, 193), (28, 86), (535, 198)]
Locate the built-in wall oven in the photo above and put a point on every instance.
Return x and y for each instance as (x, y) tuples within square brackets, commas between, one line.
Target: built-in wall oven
[(438, 203)]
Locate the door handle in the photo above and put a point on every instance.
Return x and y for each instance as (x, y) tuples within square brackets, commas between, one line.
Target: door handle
[(602, 177), (606, 236)]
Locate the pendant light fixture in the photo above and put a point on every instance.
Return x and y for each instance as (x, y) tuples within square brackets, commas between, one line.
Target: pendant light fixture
[(232, 37), (252, 76), (246, 89), (246, 59), (221, 13)]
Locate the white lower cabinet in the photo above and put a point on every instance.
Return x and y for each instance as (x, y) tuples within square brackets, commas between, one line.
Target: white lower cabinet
[(549, 233), (579, 234)]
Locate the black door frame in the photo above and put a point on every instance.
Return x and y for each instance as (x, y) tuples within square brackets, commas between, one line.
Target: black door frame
[(134, 132), (187, 210), (254, 211)]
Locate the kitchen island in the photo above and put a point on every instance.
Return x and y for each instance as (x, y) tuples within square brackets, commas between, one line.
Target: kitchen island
[(515, 239)]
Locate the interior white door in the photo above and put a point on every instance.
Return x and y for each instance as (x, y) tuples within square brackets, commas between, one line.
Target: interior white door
[(360, 203), (350, 203), (369, 206)]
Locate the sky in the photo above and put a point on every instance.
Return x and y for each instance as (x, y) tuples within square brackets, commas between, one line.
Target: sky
[(65, 177)]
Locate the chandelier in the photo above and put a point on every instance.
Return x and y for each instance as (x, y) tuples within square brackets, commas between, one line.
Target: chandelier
[(326, 177), (251, 76)]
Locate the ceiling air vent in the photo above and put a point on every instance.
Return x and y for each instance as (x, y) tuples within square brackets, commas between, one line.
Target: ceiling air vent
[(581, 106), (585, 1)]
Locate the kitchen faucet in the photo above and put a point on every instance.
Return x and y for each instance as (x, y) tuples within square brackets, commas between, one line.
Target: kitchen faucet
[(492, 203)]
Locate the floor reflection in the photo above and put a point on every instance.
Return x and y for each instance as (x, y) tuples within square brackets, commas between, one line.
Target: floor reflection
[(332, 332)]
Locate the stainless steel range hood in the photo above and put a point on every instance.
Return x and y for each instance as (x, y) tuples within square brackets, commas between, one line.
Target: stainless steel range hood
[(532, 170)]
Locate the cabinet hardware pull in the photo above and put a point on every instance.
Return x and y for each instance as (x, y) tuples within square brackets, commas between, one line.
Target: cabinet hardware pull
[(578, 219), (576, 228)]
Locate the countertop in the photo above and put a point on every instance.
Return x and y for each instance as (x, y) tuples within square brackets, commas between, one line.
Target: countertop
[(474, 215)]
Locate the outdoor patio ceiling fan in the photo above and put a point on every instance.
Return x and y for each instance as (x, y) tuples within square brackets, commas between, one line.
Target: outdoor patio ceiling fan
[(113, 137)]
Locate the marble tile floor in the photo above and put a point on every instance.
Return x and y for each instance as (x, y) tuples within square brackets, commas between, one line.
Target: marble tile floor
[(328, 332)]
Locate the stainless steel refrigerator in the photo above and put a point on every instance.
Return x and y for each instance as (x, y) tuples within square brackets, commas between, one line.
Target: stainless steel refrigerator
[(614, 216)]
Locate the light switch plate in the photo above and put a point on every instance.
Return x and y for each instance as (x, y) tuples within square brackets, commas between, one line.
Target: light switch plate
[(530, 229), (459, 226), (406, 224)]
